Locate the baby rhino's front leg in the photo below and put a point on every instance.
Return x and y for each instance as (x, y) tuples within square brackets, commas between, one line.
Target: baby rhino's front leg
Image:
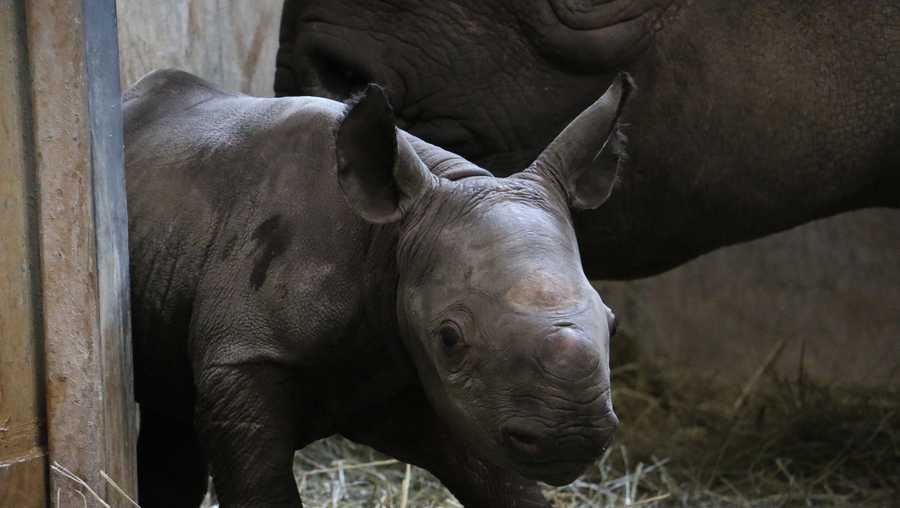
[(245, 418), (408, 429)]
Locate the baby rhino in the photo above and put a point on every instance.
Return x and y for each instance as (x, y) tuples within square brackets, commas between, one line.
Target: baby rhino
[(302, 268)]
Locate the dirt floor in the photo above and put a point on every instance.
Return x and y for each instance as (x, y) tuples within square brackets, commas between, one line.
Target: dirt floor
[(685, 441)]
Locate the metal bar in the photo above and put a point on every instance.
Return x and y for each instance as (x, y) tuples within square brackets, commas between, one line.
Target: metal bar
[(111, 229)]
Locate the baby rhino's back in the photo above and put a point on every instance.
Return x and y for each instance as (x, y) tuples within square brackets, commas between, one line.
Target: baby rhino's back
[(230, 198), (195, 154)]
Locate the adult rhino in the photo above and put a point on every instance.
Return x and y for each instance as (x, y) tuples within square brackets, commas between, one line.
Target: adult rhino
[(753, 116), (302, 268)]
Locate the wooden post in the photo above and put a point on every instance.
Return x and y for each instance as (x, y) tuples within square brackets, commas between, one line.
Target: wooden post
[(71, 123), (23, 458)]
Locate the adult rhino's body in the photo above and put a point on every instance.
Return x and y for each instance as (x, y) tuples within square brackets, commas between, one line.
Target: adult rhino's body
[(754, 116), (300, 269)]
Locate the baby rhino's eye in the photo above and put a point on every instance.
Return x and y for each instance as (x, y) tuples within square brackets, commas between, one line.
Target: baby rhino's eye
[(449, 336)]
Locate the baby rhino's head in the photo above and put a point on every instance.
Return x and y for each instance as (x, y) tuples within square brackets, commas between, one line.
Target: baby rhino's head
[(510, 340)]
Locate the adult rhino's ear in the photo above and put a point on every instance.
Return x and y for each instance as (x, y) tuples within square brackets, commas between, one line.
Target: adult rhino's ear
[(378, 171), (584, 158)]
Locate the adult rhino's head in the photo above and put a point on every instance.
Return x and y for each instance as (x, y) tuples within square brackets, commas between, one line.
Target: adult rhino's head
[(491, 80), (508, 337)]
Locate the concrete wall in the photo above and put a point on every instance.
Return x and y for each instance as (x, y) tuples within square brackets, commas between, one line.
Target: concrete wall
[(833, 285), (231, 43)]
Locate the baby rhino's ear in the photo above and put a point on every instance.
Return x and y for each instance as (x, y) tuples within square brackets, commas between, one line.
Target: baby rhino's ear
[(378, 172), (584, 160)]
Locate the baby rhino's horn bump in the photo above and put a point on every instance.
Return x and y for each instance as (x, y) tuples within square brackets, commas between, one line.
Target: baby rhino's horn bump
[(567, 353)]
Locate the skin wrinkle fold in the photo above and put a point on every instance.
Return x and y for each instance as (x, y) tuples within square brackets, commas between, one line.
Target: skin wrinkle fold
[(598, 16)]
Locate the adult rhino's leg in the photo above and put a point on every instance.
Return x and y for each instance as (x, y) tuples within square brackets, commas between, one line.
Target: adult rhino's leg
[(171, 466), (245, 419), (408, 429)]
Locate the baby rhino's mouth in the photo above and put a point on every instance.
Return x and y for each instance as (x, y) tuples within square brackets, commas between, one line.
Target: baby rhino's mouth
[(524, 442), (554, 473), (554, 458)]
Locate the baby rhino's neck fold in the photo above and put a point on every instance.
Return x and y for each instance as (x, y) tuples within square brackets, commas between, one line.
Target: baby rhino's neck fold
[(380, 280)]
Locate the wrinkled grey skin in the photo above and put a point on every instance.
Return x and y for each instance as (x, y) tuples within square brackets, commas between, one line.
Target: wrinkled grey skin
[(302, 268), (753, 117)]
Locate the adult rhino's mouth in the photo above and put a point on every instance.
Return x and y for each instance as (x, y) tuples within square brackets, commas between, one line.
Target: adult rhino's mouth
[(322, 61), (327, 60), (323, 70)]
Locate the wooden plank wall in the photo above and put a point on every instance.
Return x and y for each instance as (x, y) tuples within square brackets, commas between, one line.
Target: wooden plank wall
[(23, 457), (829, 289), (77, 155), (66, 395), (231, 43)]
